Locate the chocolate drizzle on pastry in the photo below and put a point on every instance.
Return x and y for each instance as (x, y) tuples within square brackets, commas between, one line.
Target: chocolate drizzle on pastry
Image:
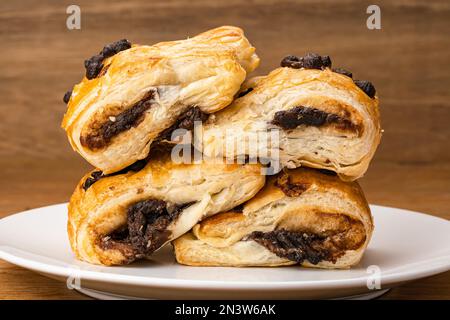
[(94, 64), (292, 118), (97, 175), (125, 120), (146, 228)]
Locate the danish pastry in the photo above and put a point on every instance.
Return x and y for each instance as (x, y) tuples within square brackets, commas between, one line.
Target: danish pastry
[(136, 92), (321, 116), (302, 216), (117, 218)]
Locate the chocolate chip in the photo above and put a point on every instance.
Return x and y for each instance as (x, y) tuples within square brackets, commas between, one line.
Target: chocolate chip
[(94, 64), (326, 62), (312, 61), (67, 96), (111, 49), (343, 71), (309, 61), (291, 62), (366, 86)]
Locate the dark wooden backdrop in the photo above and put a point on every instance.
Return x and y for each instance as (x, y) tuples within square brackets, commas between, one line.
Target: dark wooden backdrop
[(408, 60)]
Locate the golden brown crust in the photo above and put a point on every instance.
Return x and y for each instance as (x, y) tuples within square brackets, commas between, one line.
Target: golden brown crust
[(102, 208), (203, 71), (314, 179), (345, 145), (327, 206)]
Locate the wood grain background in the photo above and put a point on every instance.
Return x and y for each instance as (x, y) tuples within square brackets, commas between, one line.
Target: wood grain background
[(407, 60)]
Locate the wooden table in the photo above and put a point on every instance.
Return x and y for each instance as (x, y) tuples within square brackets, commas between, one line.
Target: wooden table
[(407, 60)]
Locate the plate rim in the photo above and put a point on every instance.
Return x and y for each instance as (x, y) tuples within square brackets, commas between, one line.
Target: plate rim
[(440, 264)]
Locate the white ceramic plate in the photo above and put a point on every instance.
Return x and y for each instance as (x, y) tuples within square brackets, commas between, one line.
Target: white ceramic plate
[(406, 246)]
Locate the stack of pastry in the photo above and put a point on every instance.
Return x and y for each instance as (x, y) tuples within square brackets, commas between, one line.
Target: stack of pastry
[(121, 118)]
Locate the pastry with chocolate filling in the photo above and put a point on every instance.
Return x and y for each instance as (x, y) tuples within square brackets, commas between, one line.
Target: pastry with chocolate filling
[(132, 94), (117, 219), (302, 216), (321, 118)]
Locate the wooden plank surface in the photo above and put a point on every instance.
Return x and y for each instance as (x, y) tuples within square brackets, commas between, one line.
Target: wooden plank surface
[(407, 60)]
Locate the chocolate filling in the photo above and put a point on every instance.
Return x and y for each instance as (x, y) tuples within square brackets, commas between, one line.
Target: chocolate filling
[(97, 175), (291, 119), (94, 177), (94, 64), (125, 120), (243, 93), (295, 246), (289, 188), (184, 121), (238, 208), (146, 228), (299, 246), (327, 172)]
